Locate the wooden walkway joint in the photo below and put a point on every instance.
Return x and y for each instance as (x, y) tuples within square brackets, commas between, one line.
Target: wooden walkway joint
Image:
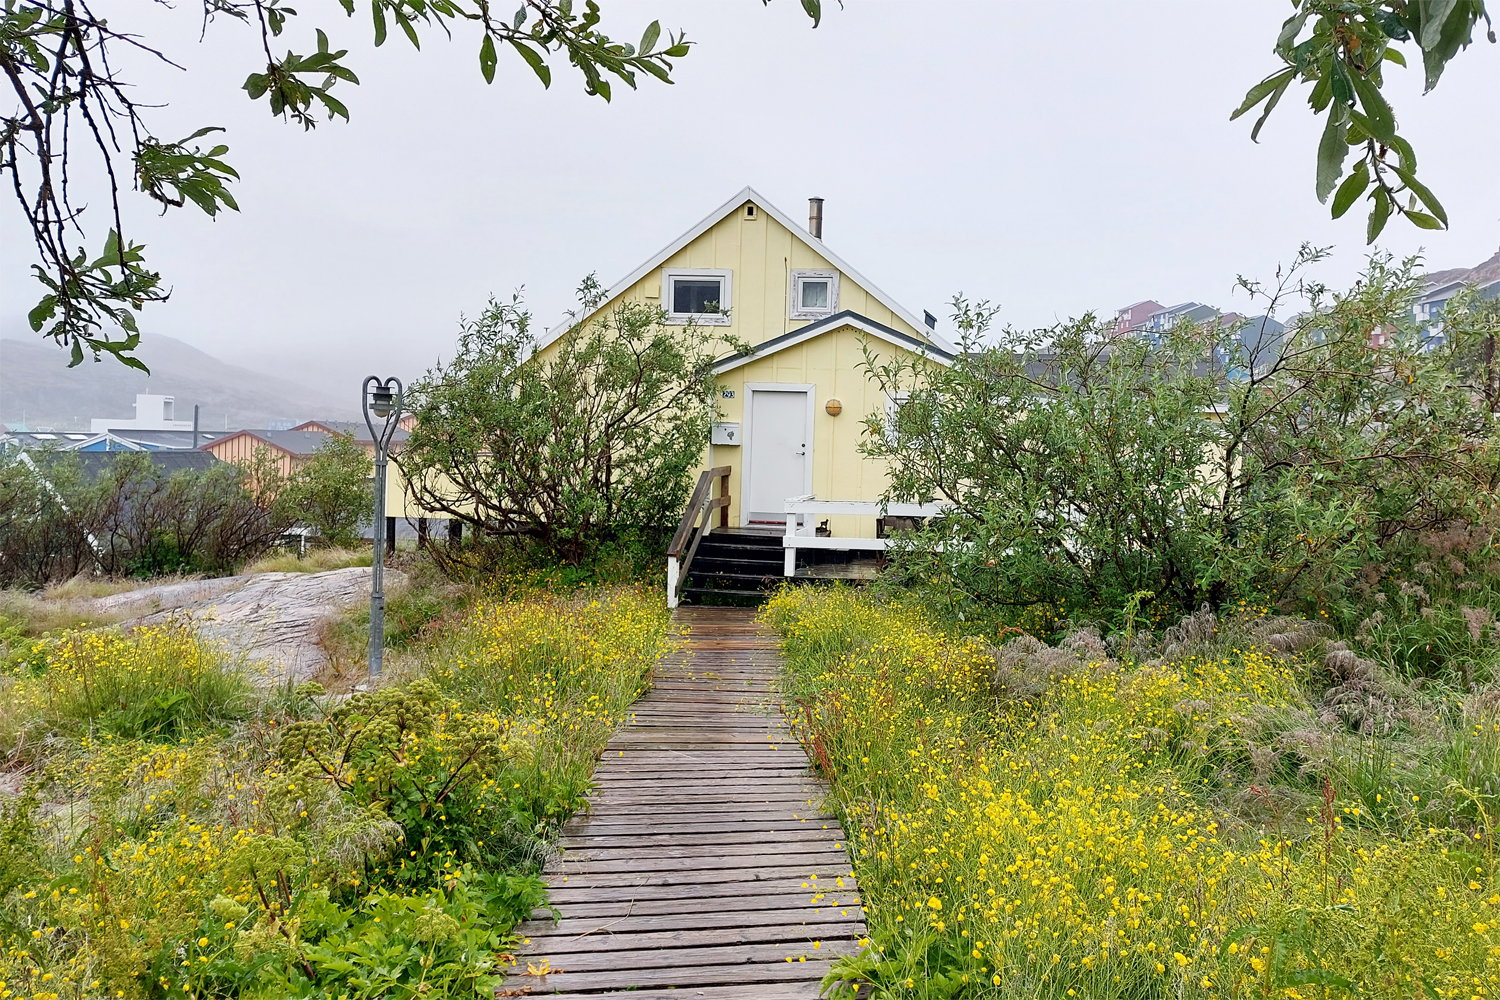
[(703, 865)]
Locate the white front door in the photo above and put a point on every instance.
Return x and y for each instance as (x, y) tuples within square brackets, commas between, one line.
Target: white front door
[(780, 446)]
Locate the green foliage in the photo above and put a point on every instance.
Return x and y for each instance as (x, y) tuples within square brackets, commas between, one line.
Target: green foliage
[(1344, 58), (157, 682), (445, 943), (331, 492), (131, 519), (596, 438), (380, 845), (1207, 463), (388, 753), (1192, 825)]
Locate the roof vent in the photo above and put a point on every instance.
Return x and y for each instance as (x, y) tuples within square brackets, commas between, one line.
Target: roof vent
[(930, 318), (815, 217)]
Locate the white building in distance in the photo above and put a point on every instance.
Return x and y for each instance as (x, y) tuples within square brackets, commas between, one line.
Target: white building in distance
[(152, 413)]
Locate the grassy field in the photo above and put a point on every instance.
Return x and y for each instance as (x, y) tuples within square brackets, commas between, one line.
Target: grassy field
[(1035, 821), (179, 832)]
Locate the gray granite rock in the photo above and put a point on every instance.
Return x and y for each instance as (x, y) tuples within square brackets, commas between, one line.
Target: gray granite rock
[(271, 619)]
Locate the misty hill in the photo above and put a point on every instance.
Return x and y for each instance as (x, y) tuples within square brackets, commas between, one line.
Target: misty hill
[(1478, 275), (37, 388)]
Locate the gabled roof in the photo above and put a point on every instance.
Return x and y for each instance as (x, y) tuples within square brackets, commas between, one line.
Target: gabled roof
[(354, 428), (846, 318), (169, 461), (1441, 292), (107, 441), (708, 222), (298, 443)]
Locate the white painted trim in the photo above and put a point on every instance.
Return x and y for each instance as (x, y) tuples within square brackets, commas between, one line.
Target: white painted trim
[(672, 581), (793, 539), (726, 301), (713, 218), (748, 420), (870, 508), (794, 281), (812, 332)]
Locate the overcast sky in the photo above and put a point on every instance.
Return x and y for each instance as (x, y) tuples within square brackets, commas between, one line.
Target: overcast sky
[(1052, 157)]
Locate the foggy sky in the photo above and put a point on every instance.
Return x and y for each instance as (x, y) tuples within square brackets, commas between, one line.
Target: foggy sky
[(1052, 157)]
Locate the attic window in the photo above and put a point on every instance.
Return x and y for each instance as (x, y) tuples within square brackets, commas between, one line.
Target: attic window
[(696, 295), (750, 212), (814, 294)]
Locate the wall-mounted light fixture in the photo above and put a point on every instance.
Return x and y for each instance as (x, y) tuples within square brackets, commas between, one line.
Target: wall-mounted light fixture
[(833, 407)]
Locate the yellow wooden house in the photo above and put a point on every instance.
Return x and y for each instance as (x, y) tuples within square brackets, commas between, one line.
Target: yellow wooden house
[(793, 406)]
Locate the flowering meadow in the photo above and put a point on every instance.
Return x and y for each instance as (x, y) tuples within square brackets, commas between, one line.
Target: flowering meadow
[(181, 834), (1073, 826)]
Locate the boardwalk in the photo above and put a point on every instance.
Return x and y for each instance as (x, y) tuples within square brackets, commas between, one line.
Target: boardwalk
[(703, 867)]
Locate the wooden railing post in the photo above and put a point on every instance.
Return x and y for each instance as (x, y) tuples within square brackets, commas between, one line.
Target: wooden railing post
[(695, 523)]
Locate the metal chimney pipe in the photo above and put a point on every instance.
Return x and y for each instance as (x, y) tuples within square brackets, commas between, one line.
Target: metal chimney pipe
[(195, 425), (815, 217)]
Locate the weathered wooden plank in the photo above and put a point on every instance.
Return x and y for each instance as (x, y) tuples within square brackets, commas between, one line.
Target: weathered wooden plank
[(701, 772), (791, 793), (707, 955), (696, 877), (799, 938), (806, 990), (625, 827), (760, 839), (780, 971), (756, 849), (635, 889), (647, 808), (701, 905), (820, 918), (823, 857)]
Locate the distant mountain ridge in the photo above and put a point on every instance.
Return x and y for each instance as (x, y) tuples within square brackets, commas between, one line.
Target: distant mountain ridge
[(1478, 275), (38, 389)]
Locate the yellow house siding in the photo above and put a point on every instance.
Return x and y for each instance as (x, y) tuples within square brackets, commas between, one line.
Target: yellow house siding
[(241, 449), (832, 362), (761, 253)]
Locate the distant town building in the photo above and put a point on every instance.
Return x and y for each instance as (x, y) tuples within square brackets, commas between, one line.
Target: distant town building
[(152, 413), (1136, 315), (290, 449), (121, 440), (1260, 336), (1429, 308)]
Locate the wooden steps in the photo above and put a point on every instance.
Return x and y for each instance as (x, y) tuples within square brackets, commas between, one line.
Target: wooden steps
[(704, 865)]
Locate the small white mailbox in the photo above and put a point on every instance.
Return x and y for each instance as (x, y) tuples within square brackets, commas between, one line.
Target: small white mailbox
[(725, 433)]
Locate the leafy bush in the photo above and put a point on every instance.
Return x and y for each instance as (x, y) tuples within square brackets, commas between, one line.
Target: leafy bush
[(331, 492), (1210, 462), (131, 519), (597, 436)]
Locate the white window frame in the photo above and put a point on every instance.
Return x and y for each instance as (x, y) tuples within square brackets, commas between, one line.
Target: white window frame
[(726, 283), (893, 404), (794, 294)]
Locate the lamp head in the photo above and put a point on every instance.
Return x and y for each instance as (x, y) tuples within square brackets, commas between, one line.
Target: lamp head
[(381, 400)]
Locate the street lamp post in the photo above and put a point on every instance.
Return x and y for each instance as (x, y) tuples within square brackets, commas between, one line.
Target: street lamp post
[(382, 398)]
